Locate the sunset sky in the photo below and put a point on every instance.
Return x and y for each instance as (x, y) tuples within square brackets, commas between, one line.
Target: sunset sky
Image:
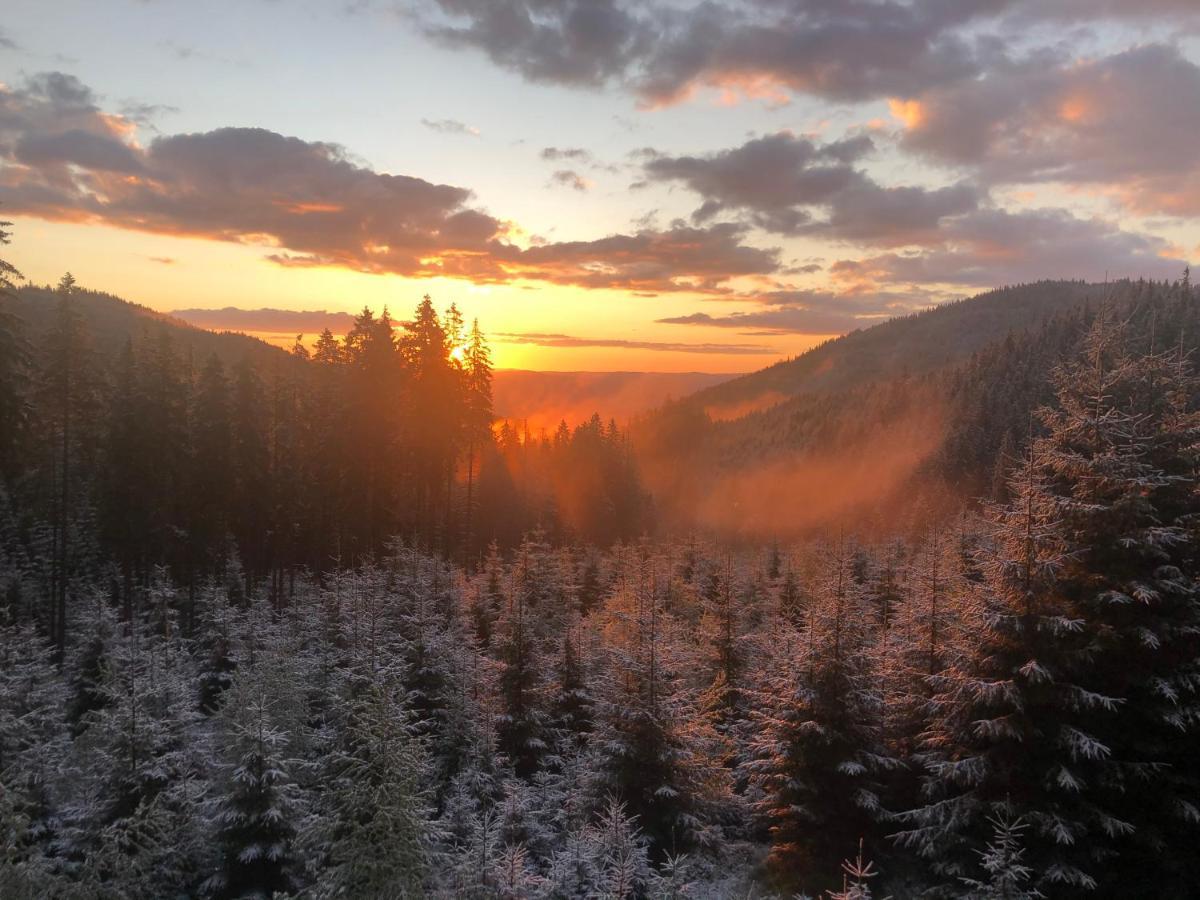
[(657, 186)]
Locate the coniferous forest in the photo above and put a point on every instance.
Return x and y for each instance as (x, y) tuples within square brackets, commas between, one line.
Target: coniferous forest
[(314, 624)]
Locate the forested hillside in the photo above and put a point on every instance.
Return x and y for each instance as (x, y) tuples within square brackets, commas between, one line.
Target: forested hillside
[(309, 625), (899, 423)]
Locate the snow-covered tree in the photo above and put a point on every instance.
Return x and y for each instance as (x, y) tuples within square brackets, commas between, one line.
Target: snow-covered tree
[(254, 819), (817, 757)]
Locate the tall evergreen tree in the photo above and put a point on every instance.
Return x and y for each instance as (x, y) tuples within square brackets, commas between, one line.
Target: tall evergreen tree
[(14, 374)]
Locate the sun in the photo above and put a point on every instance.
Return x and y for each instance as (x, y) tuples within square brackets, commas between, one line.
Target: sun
[(459, 353)]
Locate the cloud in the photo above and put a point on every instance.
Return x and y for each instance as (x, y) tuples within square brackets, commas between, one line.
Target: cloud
[(848, 50), (565, 340), (64, 159), (572, 179), (679, 258), (6, 41), (144, 115), (812, 312), (576, 155), (163, 260), (851, 50), (450, 126), (791, 185), (993, 247), (268, 321), (554, 154), (54, 120), (578, 42), (1128, 123), (769, 176)]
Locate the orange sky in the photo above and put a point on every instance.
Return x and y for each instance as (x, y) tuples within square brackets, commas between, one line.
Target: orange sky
[(663, 197), (168, 273)]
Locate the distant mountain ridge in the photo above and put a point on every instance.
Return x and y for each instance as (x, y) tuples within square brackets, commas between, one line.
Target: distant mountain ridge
[(111, 321), (538, 400), (909, 345), (266, 320)]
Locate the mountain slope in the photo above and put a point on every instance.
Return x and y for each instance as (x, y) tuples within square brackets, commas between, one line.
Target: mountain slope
[(911, 345), (111, 321), (907, 419)]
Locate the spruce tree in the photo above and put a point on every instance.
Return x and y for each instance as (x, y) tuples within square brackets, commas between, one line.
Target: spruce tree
[(376, 833), (255, 830), (817, 756)]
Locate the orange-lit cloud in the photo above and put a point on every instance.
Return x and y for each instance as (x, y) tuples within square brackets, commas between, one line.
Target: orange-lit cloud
[(995, 247), (909, 112), (852, 50), (1125, 125), (64, 160)]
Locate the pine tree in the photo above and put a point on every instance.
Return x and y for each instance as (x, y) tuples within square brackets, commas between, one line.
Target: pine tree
[(817, 757), (573, 706), (376, 833), (654, 754), (1122, 455), (521, 727), (1012, 731), (1007, 876), (14, 374), (66, 404), (255, 831), (479, 416)]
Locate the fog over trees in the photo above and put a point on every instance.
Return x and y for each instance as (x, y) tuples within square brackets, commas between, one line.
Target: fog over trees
[(313, 624)]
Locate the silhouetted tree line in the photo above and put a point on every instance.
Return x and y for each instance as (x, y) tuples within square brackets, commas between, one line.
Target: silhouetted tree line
[(276, 462)]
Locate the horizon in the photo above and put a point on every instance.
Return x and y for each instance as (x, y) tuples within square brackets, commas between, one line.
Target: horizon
[(652, 195)]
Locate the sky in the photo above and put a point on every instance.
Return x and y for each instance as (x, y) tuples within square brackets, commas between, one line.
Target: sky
[(606, 185)]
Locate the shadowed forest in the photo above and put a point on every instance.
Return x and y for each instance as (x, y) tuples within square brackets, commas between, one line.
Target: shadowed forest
[(915, 614)]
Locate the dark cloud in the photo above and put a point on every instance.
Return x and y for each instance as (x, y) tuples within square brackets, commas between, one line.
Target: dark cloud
[(679, 258), (769, 176), (843, 50), (267, 321), (6, 41), (81, 148), (450, 126), (1091, 10), (852, 50), (1129, 123), (54, 121), (993, 247), (566, 340), (64, 159), (847, 50), (572, 179), (868, 213), (790, 185), (580, 42)]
